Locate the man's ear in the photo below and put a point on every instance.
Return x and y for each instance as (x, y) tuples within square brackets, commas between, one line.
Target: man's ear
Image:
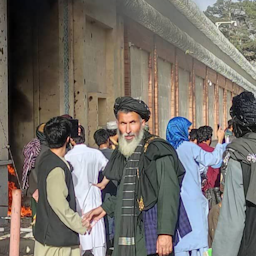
[(143, 122), (68, 139)]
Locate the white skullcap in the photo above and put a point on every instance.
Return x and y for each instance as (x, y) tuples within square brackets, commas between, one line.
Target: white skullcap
[(112, 125)]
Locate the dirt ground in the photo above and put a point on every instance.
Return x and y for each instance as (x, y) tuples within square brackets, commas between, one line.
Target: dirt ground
[(26, 238)]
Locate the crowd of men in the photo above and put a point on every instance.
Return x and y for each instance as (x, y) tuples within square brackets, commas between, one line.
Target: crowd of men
[(139, 194)]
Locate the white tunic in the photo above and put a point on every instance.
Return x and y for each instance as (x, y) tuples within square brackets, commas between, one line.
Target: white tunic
[(87, 163)]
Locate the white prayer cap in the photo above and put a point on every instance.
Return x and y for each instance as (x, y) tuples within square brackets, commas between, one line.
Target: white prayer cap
[(112, 125)]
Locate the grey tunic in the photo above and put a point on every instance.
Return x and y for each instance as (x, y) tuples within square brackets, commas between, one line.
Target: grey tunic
[(231, 222)]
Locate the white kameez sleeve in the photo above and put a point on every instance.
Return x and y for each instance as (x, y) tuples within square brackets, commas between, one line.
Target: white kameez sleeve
[(231, 222), (206, 158)]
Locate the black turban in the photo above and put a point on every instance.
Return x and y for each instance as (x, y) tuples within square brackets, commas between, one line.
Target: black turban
[(243, 113), (132, 105), (243, 110)]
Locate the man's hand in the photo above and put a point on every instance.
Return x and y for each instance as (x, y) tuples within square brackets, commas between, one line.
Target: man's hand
[(72, 142), (93, 216), (220, 135), (86, 223), (36, 195), (102, 184), (164, 245)]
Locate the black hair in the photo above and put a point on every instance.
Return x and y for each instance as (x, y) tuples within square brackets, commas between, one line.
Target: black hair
[(101, 136), (112, 132), (81, 138), (240, 130), (204, 133), (230, 123), (56, 131), (193, 135)]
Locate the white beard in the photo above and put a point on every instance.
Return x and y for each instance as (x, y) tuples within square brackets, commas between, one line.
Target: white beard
[(127, 148)]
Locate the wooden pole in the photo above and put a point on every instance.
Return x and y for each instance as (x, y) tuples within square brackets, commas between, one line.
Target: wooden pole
[(14, 249)]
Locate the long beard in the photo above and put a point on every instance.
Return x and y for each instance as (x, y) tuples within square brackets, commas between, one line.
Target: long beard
[(127, 148)]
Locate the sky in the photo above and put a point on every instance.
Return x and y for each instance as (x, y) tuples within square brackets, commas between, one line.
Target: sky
[(203, 4)]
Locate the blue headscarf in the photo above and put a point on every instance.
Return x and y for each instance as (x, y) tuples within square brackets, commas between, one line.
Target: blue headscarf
[(177, 131)]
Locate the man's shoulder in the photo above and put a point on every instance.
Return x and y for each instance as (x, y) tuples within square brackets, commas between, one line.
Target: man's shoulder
[(157, 146), (82, 150), (106, 150), (96, 152)]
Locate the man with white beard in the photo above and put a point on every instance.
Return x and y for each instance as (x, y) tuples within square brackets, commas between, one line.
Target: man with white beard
[(149, 175)]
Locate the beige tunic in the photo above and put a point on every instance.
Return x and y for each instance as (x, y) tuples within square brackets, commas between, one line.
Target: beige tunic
[(57, 193)]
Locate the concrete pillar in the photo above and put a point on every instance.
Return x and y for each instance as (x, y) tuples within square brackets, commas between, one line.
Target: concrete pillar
[(184, 93), (66, 81), (3, 81), (15, 223), (164, 96), (80, 88), (199, 95), (139, 73), (3, 108)]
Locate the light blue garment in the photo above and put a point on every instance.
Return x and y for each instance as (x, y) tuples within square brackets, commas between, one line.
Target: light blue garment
[(199, 252), (194, 201)]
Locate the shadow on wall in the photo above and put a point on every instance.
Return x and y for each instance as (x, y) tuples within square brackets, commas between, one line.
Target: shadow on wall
[(20, 107), (21, 110)]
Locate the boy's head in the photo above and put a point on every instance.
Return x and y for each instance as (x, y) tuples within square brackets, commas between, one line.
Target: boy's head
[(193, 136), (204, 134), (101, 137), (57, 131)]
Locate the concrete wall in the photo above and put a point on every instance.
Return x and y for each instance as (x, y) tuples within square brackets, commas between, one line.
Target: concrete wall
[(38, 72), (229, 104), (183, 93), (164, 95), (48, 60), (211, 107), (221, 108), (199, 94), (95, 69), (34, 72), (21, 77), (103, 64), (139, 73)]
